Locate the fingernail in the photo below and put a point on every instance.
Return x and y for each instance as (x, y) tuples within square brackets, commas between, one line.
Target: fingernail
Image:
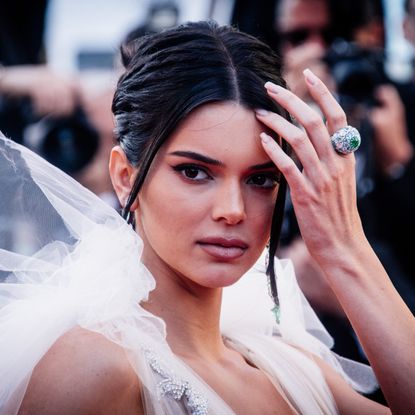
[(265, 138), (270, 86), (310, 77), (261, 112)]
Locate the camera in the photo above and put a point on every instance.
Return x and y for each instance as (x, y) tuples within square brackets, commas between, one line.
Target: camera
[(356, 71), (68, 142)]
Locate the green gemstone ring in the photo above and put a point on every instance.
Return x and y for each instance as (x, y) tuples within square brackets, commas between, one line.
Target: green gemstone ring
[(346, 140)]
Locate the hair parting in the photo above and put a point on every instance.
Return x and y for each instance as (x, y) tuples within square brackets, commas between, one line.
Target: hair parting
[(171, 73)]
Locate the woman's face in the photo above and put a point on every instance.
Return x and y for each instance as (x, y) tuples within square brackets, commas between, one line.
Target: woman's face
[(205, 209)]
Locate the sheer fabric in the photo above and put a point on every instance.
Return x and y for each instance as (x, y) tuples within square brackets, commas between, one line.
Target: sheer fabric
[(67, 260)]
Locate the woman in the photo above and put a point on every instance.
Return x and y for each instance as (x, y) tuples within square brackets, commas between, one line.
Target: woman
[(106, 334)]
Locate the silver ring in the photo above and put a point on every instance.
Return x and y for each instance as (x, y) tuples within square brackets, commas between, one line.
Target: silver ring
[(346, 140)]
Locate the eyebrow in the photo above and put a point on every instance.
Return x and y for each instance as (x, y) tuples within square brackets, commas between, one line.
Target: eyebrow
[(267, 165), (208, 160), (197, 156)]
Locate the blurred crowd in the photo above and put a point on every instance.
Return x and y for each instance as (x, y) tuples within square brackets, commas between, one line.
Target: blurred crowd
[(344, 43), (68, 121)]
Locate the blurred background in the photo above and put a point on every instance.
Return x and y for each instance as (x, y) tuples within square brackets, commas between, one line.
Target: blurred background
[(76, 31), (59, 60), (59, 66)]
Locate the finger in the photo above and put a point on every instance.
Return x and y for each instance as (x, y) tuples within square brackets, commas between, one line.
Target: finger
[(40, 104), (296, 137), (284, 163), (308, 118), (335, 116), (65, 106)]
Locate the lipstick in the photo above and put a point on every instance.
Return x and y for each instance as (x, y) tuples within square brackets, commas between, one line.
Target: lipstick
[(224, 249)]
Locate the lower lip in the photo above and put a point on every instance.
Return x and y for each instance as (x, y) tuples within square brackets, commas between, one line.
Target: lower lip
[(224, 253)]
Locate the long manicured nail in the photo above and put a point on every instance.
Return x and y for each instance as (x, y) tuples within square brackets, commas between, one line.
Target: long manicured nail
[(261, 112), (265, 138), (271, 87), (310, 77)]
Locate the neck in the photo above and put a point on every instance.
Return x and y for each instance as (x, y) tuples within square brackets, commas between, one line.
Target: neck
[(191, 314)]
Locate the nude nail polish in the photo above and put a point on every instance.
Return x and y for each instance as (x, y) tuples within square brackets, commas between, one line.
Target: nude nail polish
[(310, 77), (270, 86)]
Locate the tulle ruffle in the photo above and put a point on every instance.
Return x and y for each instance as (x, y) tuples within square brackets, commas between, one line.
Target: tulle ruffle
[(68, 260)]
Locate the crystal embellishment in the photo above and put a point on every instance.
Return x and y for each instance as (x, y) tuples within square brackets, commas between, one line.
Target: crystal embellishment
[(346, 140), (176, 388)]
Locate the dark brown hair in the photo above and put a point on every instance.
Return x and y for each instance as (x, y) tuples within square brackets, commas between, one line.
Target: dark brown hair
[(169, 74)]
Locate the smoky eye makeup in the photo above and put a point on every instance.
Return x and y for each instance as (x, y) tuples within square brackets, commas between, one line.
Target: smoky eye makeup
[(192, 172), (263, 176), (264, 180)]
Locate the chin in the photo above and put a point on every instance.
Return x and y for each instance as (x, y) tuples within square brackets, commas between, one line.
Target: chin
[(221, 275)]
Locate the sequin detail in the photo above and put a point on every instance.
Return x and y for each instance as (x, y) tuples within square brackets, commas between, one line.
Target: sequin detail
[(176, 388)]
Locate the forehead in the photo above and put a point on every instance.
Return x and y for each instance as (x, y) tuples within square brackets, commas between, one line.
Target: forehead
[(295, 14), (226, 131)]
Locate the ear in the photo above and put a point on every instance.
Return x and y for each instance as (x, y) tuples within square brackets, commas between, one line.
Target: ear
[(122, 175)]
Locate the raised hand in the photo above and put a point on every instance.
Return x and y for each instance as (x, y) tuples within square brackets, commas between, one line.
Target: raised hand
[(50, 93), (324, 199), (324, 192)]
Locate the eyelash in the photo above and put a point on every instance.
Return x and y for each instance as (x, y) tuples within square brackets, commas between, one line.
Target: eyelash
[(272, 177), (268, 176), (181, 169)]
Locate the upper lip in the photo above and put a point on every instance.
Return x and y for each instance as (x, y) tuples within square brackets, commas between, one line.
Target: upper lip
[(225, 242)]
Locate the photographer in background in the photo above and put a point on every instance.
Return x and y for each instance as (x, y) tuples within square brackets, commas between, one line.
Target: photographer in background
[(39, 107), (304, 33), (26, 82), (309, 33), (67, 120), (387, 116), (395, 189)]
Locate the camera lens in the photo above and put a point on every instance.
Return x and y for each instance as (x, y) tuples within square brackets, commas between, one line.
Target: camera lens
[(69, 143), (356, 71)]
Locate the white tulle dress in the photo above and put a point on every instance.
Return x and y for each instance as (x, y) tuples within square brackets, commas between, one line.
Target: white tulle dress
[(67, 259)]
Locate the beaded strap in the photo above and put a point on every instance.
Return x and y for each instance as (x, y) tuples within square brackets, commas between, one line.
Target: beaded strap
[(175, 387)]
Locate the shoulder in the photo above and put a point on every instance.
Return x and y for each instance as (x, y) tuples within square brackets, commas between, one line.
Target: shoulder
[(348, 401), (83, 372)]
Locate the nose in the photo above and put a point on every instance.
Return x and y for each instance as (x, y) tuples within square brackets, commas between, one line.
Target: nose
[(229, 205)]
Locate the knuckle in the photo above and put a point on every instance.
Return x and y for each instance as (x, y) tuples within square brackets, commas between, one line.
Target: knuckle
[(350, 165), (298, 139), (287, 167), (314, 121), (339, 118), (306, 197), (324, 183), (335, 175)]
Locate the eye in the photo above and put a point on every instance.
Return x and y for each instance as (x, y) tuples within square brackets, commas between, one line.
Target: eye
[(192, 172), (264, 180)]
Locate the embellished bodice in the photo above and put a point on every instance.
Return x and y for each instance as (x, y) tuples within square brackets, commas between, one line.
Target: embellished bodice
[(171, 386), (299, 380)]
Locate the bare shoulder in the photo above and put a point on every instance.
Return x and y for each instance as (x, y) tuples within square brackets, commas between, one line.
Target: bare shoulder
[(83, 372), (348, 401)]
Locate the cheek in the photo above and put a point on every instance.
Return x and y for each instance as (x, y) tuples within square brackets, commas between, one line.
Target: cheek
[(259, 216), (172, 215), (168, 210)]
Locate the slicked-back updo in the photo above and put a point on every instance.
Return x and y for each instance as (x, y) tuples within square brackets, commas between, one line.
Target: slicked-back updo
[(169, 74)]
